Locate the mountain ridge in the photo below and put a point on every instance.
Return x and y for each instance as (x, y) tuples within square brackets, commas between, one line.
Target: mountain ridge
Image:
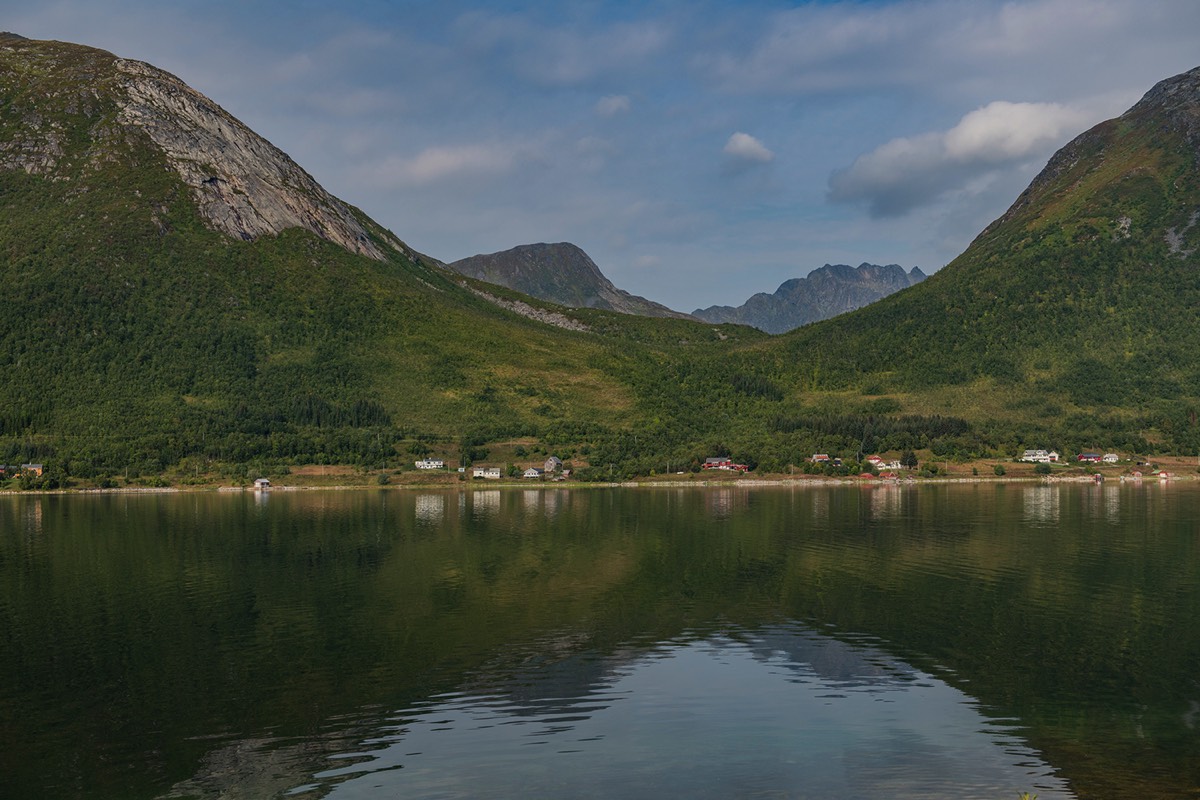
[(561, 273), (825, 292), (137, 333)]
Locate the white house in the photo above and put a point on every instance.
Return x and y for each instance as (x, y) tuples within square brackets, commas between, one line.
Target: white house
[(430, 463), (1040, 457), (1111, 458), (489, 473), (533, 472), (261, 484)]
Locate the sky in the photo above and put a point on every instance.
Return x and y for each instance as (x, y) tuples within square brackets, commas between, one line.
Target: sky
[(698, 151)]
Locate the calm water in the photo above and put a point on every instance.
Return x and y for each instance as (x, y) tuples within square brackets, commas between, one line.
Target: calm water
[(885, 642)]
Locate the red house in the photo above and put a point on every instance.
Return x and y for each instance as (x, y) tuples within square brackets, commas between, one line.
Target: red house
[(723, 463)]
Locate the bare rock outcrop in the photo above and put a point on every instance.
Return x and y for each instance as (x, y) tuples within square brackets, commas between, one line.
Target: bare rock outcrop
[(243, 185)]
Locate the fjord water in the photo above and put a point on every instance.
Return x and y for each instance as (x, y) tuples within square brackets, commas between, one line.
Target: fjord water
[(963, 641)]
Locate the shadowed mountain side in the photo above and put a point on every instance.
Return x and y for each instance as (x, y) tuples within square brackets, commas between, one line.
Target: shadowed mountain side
[(826, 292)]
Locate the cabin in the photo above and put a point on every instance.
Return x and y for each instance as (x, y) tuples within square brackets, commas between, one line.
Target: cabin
[(487, 473), (553, 464), (32, 469), (724, 463), (533, 473), (261, 484), (879, 463), (430, 463)]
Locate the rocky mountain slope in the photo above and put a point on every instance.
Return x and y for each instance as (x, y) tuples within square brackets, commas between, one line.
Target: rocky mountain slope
[(560, 273), (242, 184), (826, 292)]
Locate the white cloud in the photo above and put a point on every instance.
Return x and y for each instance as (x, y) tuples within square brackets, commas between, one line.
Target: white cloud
[(612, 105), (744, 147), (1003, 131), (908, 172)]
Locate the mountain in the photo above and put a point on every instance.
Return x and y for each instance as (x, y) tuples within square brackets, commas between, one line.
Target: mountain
[(176, 290), (826, 292), (560, 273), (1074, 311), (177, 295)]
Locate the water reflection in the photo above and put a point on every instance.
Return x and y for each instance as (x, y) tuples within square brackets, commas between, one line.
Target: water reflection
[(485, 502), (719, 502), (1112, 503), (430, 508), (885, 500), (780, 711), (32, 517), (629, 639), (1041, 504)]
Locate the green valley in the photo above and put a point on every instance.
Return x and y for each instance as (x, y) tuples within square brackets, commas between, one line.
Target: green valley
[(171, 304)]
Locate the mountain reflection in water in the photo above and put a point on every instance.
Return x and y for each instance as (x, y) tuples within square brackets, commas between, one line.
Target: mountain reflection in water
[(827, 641), (782, 711)]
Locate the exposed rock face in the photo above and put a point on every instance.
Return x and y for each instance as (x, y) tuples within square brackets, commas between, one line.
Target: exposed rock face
[(243, 185), (826, 292), (532, 312), (561, 273)]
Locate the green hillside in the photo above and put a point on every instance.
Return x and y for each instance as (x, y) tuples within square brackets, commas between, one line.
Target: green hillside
[(134, 337), (177, 295), (1074, 313)]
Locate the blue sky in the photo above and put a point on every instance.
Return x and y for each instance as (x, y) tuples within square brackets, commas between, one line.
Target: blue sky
[(698, 151)]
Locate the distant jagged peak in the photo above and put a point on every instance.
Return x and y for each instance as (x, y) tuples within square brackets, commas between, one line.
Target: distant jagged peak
[(825, 292)]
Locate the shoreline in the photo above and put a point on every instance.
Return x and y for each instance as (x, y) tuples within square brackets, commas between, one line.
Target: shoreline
[(474, 485)]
